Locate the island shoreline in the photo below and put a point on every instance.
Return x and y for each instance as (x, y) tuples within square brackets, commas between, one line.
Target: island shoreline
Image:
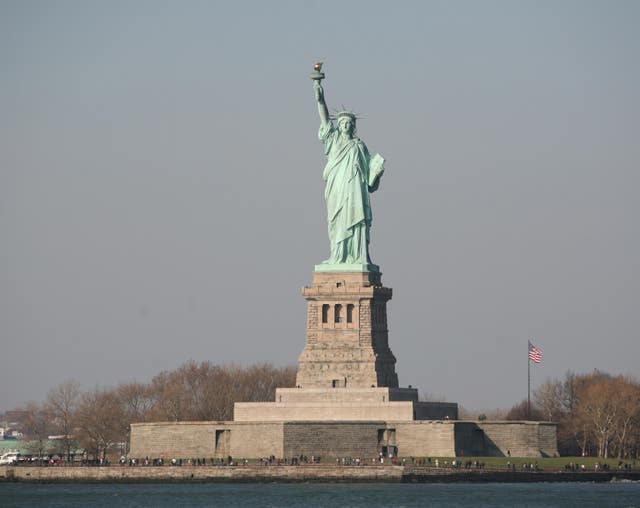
[(296, 474)]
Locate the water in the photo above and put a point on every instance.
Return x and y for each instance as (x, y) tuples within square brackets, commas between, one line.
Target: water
[(320, 495)]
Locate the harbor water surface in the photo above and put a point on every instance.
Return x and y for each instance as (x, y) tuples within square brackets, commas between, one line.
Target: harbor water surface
[(321, 495)]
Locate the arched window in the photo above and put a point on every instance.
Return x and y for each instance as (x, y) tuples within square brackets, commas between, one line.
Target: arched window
[(338, 313), (350, 313), (325, 313)]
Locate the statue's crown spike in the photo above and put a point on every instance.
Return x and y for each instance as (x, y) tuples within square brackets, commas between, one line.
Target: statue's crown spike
[(344, 112)]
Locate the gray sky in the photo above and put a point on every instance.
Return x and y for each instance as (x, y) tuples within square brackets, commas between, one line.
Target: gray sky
[(161, 195)]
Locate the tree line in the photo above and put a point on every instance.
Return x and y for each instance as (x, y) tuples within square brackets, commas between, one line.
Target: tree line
[(597, 414), (98, 420)]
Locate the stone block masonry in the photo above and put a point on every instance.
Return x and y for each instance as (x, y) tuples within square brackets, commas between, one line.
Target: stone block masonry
[(206, 439), (347, 338), (425, 438), (174, 439), (257, 439), (243, 474), (521, 439), (344, 439), (308, 473), (364, 439)]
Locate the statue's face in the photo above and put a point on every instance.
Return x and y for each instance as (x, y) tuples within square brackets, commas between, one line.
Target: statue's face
[(346, 126)]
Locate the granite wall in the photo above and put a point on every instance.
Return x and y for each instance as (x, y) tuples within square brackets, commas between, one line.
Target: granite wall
[(364, 439)]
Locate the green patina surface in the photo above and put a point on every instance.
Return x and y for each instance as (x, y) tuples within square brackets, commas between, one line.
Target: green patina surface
[(350, 175), (347, 267)]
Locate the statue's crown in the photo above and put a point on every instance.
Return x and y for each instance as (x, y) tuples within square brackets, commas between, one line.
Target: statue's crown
[(345, 113)]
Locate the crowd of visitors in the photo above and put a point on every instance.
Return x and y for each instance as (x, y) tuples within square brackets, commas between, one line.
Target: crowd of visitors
[(303, 460)]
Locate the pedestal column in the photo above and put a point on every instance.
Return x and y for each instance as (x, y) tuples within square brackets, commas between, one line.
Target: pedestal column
[(347, 336)]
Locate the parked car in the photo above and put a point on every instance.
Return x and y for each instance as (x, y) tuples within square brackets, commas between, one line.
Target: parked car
[(9, 458)]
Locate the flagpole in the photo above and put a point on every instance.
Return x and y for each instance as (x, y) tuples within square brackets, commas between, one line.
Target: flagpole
[(533, 355), (528, 381)]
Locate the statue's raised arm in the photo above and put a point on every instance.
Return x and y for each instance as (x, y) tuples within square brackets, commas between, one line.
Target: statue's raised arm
[(317, 76), (323, 111)]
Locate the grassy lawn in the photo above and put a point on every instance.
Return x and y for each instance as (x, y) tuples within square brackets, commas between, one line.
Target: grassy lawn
[(545, 463)]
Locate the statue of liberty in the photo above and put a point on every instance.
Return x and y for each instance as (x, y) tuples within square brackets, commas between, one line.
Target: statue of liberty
[(350, 175)]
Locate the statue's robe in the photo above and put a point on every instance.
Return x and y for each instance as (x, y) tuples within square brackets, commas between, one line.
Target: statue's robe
[(348, 183)]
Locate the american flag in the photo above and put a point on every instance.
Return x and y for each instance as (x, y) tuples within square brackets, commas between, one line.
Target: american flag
[(535, 354)]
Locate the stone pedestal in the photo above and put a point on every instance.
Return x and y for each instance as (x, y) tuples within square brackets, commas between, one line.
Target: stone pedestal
[(347, 401), (347, 337), (346, 371)]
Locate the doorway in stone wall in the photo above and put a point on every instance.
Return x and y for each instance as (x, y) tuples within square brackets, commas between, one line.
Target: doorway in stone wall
[(223, 437), (387, 446)]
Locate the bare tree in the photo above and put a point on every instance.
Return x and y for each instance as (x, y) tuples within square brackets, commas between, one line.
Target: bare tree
[(599, 410), (101, 422), (520, 411), (207, 392), (628, 420), (169, 395), (137, 402), (598, 413), (36, 424), (62, 402)]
